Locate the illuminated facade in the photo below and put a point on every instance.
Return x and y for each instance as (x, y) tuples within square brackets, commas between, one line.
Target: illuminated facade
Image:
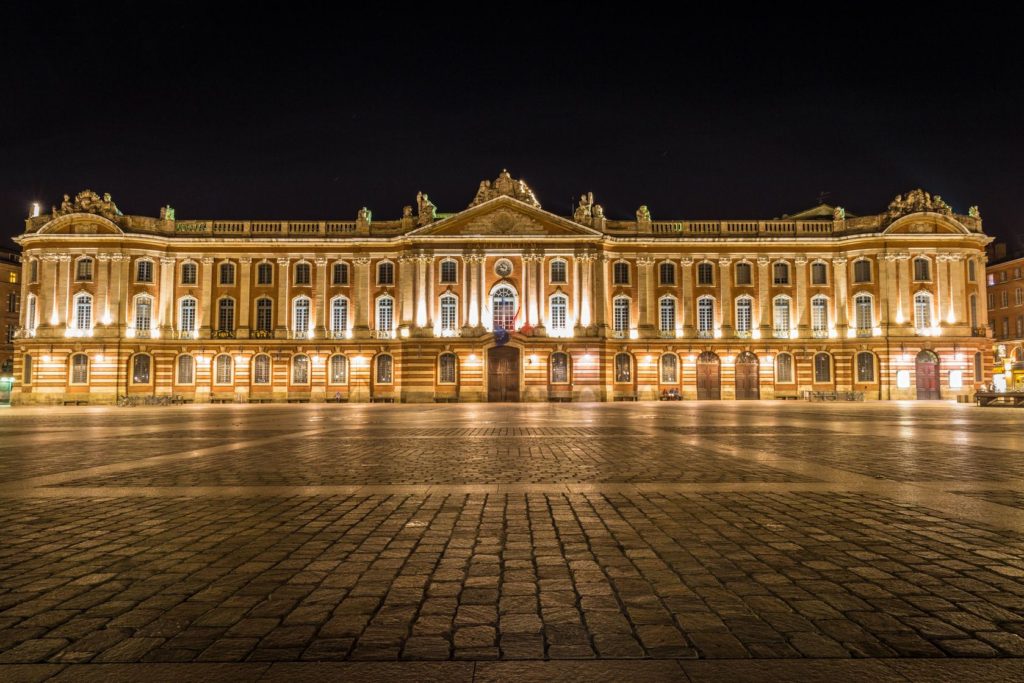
[(501, 301), (1006, 319)]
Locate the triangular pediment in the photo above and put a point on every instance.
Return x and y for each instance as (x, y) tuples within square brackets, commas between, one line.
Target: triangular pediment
[(504, 217)]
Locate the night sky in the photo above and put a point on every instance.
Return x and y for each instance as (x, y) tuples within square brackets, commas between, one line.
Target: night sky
[(242, 113)]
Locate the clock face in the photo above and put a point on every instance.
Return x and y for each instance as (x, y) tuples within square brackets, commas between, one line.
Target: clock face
[(503, 267)]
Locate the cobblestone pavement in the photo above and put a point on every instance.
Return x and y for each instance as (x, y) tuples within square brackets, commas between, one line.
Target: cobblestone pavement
[(690, 536)]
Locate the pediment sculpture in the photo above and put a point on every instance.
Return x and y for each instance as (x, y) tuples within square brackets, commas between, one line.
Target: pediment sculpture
[(88, 201), (505, 185)]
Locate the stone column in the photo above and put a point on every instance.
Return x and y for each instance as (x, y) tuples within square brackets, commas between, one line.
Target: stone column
[(842, 304), (431, 298), (472, 285), (887, 289), (687, 303), (482, 280), (982, 285), (601, 294), (577, 276), (102, 288), (118, 283), (245, 295), (801, 296), (645, 296), (958, 296), (526, 299), (206, 287), (166, 294), (421, 292), (725, 287), (406, 285), (764, 321), (903, 279), (320, 303), (65, 289), (47, 303), (360, 295), (542, 304)]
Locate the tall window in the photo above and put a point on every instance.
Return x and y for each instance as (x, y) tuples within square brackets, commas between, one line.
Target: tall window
[(784, 368), (922, 311), (300, 369), (979, 367), (143, 270), (385, 369), (187, 315), (83, 269), (971, 273), (300, 315), (186, 369), (744, 314), (339, 316), (780, 273), (865, 366), (449, 272), (819, 273), (143, 313), (780, 316), (620, 273), (385, 314), (303, 274), (264, 274), (340, 274), (226, 315), (922, 269), (79, 369), (623, 368), (30, 312), (33, 271), (189, 273), (141, 369), (669, 368), (83, 312), (863, 312), (222, 369), (1018, 296), (227, 273), (705, 315), (862, 271), (385, 273), (705, 274), (264, 315), (667, 314), (822, 368), (449, 312), (558, 273), (446, 368), (339, 369), (559, 312), (973, 304), (559, 368), (620, 314), (503, 309), (261, 369), (667, 274), (819, 316), (26, 368), (744, 274)]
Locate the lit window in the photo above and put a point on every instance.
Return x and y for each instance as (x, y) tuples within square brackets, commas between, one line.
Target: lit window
[(385, 369), (971, 272), (261, 369), (922, 311), (143, 313), (780, 317), (449, 272), (865, 367), (340, 272), (141, 369), (784, 368), (922, 269), (744, 314), (300, 316), (744, 274), (79, 369), (83, 270), (705, 315), (33, 271), (385, 314), (222, 369), (227, 274), (558, 274), (819, 315), (189, 274), (822, 368), (385, 273), (705, 274), (187, 315), (620, 273), (620, 317), (667, 314), (503, 309), (186, 369), (862, 271), (559, 313), (339, 369), (667, 274), (303, 274), (559, 368), (300, 369), (143, 271), (339, 316), (264, 315), (863, 312), (819, 273), (264, 274), (623, 368), (226, 315), (780, 273), (669, 369), (83, 312), (446, 371), (449, 313), (30, 313)]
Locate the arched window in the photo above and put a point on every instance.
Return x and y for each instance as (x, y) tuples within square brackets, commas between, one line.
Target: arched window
[(30, 313), (339, 316), (303, 274), (780, 273), (186, 369), (261, 369), (142, 366), (559, 367), (449, 313), (143, 313), (667, 273), (189, 273), (79, 369), (559, 318), (972, 274), (744, 314), (385, 314), (83, 270), (447, 368), (862, 270), (264, 315), (385, 273), (620, 314), (143, 270), (669, 368), (922, 311), (264, 274), (385, 369), (865, 366), (623, 368), (780, 316), (620, 273), (863, 309), (300, 369), (222, 366), (744, 274), (449, 272), (819, 316), (300, 316), (705, 273), (83, 311), (819, 273), (822, 368), (922, 269), (558, 272), (667, 314), (187, 314), (26, 369), (784, 368), (503, 309), (340, 274), (226, 315), (973, 304), (339, 369), (705, 316), (227, 273)]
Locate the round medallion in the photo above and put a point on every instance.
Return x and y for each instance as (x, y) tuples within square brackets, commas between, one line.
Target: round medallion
[(503, 267)]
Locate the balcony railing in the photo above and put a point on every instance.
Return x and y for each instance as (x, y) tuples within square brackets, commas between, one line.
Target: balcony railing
[(819, 334), (705, 334), (382, 334), (223, 334), (865, 332), (744, 334), (620, 334), (261, 334)]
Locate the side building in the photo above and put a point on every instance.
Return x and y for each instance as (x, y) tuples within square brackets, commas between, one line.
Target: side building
[(502, 301), (1006, 305), (10, 300)]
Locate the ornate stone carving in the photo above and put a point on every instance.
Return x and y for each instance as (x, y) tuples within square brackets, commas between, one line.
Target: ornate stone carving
[(364, 216), (645, 260), (167, 260), (320, 261), (763, 261), (838, 214), (917, 201), (724, 262), (426, 212), (585, 211), (643, 214), (505, 185), (361, 260), (974, 212), (167, 213), (504, 222), (283, 262), (88, 201)]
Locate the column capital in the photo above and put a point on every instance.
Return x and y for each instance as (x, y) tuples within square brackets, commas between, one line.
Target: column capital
[(839, 262), (245, 260), (167, 260), (800, 260), (359, 260), (283, 262), (724, 262), (763, 261), (64, 258), (320, 261), (104, 257), (645, 260), (686, 261), (207, 260)]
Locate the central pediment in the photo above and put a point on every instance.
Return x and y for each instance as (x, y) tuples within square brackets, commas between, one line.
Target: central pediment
[(505, 217)]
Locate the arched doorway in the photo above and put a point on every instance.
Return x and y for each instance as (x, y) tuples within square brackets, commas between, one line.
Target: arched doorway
[(503, 374), (709, 377), (927, 371), (747, 388)]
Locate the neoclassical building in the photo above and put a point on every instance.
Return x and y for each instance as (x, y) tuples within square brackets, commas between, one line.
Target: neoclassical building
[(502, 301)]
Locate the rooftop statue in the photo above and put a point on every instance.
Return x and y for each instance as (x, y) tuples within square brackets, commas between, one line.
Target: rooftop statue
[(88, 201), (917, 201), (585, 209), (505, 185)]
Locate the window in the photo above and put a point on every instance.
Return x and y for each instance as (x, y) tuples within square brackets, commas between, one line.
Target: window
[(303, 274), (705, 274), (819, 316), (1020, 326), (187, 315), (558, 272), (620, 314), (780, 317), (1018, 296), (667, 274), (449, 272), (30, 313), (863, 312), (991, 300), (744, 314), (33, 271), (300, 369), (385, 314), (226, 315), (449, 313), (973, 310), (83, 270), (300, 316), (141, 369), (559, 312), (922, 269), (79, 369), (862, 271), (385, 367), (264, 315), (623, 368), (189, 274), (339, 316), (143, 270), (744, 274), (26, 376), (620, 273), (503, 309), (819, 273), (822, 368), (227, 273), (339, 369), (865, 366), (667, 314), (784, 368), (1006, 328), (264, 274), (669, 368), (1002, 276), (972, 274), (991, 279), (261, 369), (385, 273), (979, 367), (446, 368), (1016, 273), (559, 368), (340, 274), (83, 312), (705, 315), (780, 273), (12, 302), (186, 369), (143, 313), (922, 311), (222, 369), (1005, 298)]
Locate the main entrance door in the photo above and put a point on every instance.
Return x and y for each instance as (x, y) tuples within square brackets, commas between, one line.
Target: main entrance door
[(927, 371), (503, 374), (709, 380), (746, 377)]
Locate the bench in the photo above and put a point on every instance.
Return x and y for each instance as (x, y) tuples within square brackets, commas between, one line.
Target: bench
[(446, 399), (260, 400), (382, 399), (1000, 398), (221, 399), (833, 395), (76, 402), (559, 399), (332, 399), (298, 400), (626, 397), (179, 400)]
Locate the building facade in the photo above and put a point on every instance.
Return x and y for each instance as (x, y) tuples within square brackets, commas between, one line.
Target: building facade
[(10, 299), (1006, 319), (502, 301)]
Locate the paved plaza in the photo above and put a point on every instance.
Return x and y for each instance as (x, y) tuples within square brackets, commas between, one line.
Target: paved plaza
[(664, 541)]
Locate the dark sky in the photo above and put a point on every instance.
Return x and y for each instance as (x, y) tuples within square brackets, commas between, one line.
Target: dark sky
[(286, 113)]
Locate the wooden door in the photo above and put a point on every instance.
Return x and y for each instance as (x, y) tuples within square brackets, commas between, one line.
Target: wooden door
[(503, 374), (709, 381), (927, 371), (747, 388)]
